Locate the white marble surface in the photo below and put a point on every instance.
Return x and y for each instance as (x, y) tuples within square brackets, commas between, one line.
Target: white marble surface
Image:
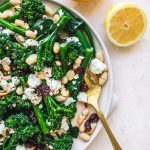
[(130, 121)]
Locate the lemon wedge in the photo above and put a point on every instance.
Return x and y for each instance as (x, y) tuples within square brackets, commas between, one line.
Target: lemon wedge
[(125, 23)]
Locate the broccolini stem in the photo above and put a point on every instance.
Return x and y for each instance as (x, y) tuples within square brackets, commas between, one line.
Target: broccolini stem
[(74, 89), (90, 37), (14, 17), (41, 119), (82, 39), (4, 6), (12, 27), (9, 145), (63, 53)]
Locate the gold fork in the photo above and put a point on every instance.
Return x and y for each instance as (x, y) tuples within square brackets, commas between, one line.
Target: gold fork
[(93, 96)]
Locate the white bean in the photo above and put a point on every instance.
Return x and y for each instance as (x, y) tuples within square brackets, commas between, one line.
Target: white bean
[(100, 56), (5, 65), (19, 90), (32, 59), (56, 18), (85, 112), (65, 92), (15, 2), (70, 75), (30, 34), (81, 118), (82, 128), (49, 11), (85, 137), (56, 47), (64, 80), (40, 75), (19, 38), (6, 14), (21, 23)]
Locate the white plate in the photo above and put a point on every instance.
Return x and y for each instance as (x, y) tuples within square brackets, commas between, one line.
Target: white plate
[(106, 96)]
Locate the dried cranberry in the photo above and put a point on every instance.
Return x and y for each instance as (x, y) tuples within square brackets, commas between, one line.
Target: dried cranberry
[(84, 87), (92, 119), (79, 70), (43, 90)]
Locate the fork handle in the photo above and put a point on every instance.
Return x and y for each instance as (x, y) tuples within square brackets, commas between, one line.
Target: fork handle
[(113, 140)]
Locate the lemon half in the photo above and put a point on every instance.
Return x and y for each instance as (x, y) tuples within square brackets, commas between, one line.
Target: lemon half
[(125, 23)]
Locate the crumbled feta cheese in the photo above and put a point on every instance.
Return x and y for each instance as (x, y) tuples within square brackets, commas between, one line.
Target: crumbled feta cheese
[(68, 101), (72, 39), (2, 127), (76, 76), (48, 72), (7, 60), (31, 42), (7, 31), (54, 85), (82, 97), (30, 94), (40, 106), (64, 124), (50, 146), (61, 13), (20, 147), (8, 87), (33, 81), (81, 57), (15, 80), (74, 82), (96, 66)]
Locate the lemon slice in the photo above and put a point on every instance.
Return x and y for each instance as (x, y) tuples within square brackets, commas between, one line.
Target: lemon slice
[(125, 23)]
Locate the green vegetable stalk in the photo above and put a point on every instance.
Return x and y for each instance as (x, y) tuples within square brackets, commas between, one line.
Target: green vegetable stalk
[(4, 6), (41, 119), (12, 27)]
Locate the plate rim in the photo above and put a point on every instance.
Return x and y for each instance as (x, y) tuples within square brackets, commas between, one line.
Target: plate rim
[(99, 39)]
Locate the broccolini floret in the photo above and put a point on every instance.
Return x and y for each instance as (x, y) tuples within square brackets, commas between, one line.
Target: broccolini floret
[(32, 10), (22, 127), (63, 143)]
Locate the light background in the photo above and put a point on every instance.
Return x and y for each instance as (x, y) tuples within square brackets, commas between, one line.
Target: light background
[(130, 121)]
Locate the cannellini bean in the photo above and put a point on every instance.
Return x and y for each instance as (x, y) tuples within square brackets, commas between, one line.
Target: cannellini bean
[(21, 23), (78, 61), (15, 2), (93, 127), (100, 56), (30, 34), (85, 112), (65, 92), (5, 65), (58, 63), (44, 17), (60, 98), (19, 90), (81, 118), (40, 75), (56, 18), (85, 137), (82, 128), (3, 94), (20, 38), (56, 47), (49, 11), (6, 14), (104, 75), (32, 59), (64, 80), (70, 75), (103, 78), (75, 66)]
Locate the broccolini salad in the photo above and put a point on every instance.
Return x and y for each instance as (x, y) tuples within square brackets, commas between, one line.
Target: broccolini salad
[(44, 56)]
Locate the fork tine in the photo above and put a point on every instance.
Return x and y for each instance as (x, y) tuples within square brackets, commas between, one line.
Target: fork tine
[(88, 82), (94, 77)]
